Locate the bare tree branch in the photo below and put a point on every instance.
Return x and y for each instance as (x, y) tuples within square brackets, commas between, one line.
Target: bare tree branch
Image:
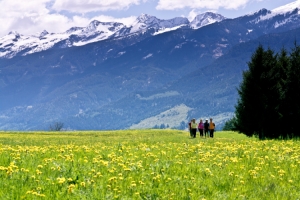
[(56, 126)]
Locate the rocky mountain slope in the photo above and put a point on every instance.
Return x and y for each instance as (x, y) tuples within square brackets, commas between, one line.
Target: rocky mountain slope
[(124, 81)]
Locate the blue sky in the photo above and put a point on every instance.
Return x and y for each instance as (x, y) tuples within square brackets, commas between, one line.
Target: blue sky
[(150, 7), (34, 16)]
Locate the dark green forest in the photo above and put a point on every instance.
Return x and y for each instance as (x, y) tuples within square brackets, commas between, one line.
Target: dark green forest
[(269, 95)]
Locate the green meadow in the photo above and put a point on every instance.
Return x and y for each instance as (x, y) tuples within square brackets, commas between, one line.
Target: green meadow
[(146, 164)]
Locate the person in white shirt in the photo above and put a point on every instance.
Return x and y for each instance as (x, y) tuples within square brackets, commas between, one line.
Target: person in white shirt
[(194, 127)]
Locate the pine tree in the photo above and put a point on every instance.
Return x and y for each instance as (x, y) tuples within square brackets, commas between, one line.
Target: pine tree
[(230, 125), (249, 104), (258, 93), (282, 68), (269, 95), (292, 95)]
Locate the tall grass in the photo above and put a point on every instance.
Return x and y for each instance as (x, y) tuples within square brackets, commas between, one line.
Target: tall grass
[(146, 164)]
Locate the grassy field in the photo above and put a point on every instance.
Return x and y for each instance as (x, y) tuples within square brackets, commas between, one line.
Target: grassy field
[(146, 164)]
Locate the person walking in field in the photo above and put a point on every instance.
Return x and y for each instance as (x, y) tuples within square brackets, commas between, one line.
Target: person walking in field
[(201, 127), (194, 126), (206, 126), (212, 127), (190, 128)]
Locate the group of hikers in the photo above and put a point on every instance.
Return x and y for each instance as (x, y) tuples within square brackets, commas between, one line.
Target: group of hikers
[(207, 128)]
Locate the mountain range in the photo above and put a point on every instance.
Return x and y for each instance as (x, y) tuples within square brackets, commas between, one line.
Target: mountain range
[(15, 44), (154, 73)]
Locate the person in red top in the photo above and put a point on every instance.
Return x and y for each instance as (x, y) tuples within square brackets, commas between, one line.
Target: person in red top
[(201, 127)]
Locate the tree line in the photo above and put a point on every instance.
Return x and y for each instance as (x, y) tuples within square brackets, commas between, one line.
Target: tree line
[(269, 95)]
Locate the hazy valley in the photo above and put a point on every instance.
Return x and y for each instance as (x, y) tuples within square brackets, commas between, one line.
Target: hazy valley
[(156, 72)]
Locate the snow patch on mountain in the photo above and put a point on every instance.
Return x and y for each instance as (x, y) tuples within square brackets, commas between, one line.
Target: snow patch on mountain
[(148, 56), (217, 52), (160, 95), (97, 31), (278, 24), (179, 46), (121, 53), (206, 19), (145, 21), (288, 11), (164, 30), (15, 43), (288, 8)]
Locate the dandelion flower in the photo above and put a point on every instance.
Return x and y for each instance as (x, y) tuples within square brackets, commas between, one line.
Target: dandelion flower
[(82, 184)]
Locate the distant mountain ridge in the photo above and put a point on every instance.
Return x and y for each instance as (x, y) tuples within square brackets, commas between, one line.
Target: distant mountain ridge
[(16, 44), (139, 79), (206, 19)]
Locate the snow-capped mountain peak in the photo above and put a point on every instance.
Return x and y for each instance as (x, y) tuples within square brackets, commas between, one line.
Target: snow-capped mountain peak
[(95, 31), (13, 43), (93, 25), (105, 27), (145, 18), (288, 7), (145, 21), (14, 33), (43, 33), (17, 44), (289, 13), (206, 19)]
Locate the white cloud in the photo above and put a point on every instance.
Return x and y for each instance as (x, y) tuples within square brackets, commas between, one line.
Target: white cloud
[(201, 4), (26, 24), (19, 15), (23, 7), (83, 6), (192, 14), (34, 16)]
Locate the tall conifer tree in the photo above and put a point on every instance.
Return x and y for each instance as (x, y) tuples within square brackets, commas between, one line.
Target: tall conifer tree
[(282, 68), (249, 118), (269, 103), (292, 95), (255, 108), (270, 94)]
